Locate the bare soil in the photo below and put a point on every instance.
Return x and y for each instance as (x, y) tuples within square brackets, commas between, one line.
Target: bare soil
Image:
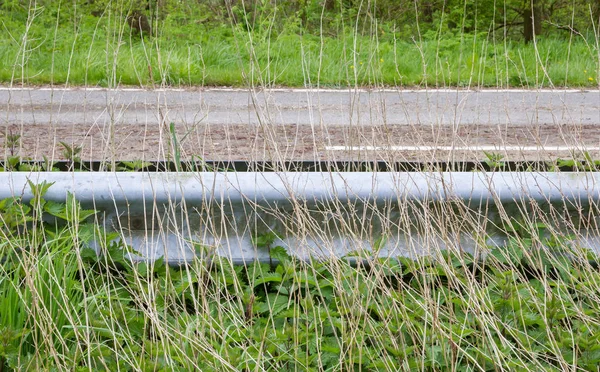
[(299, 142)]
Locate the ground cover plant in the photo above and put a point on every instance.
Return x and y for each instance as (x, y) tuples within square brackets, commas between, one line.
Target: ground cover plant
[(307, 43), (531, 304)]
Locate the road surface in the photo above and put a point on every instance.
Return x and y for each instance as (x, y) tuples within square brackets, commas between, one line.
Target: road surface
[(286, 124)]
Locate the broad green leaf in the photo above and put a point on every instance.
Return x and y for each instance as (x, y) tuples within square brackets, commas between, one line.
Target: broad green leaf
[(279, 253), (268, 278)]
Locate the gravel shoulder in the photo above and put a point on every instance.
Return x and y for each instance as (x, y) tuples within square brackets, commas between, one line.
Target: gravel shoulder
[(302, 124), (291, 142)]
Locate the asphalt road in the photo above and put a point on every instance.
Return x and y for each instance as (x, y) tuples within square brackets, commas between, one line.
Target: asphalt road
[(302, 124)]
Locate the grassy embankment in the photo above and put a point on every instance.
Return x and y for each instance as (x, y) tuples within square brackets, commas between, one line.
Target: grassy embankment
[(519, 307), (48, 47)]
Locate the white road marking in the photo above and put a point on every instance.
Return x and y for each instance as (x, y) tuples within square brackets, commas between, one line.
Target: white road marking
[(461, 148), (298, 90)]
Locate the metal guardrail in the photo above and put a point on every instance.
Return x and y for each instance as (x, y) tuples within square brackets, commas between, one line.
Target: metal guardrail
[(105, 189), (170, 214)]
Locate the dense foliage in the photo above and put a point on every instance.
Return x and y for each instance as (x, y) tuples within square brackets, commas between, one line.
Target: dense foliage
[(300, 43), (408, 18), (526, 306)]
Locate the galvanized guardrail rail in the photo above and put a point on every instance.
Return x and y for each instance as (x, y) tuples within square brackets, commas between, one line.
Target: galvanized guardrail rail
[(172, 215)]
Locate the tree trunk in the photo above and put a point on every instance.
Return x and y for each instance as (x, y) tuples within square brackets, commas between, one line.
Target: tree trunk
[(596, 12), (329, 4), (532, 20), (427, 9), (139, 22)]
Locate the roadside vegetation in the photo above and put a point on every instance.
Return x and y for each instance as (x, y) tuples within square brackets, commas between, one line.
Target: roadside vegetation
[(306, 43), (72, 297), (531, 304)]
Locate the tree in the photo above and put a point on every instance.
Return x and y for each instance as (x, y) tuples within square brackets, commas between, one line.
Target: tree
[(532, 20), (139, 22)]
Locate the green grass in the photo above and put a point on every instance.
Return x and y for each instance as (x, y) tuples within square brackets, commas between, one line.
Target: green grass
[(517, 307), (102, 52), (64, 306)]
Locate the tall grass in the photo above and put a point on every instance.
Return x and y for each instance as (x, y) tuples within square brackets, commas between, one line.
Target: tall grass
[(103, 51), (296, 61), (529, 303), (491, 287)]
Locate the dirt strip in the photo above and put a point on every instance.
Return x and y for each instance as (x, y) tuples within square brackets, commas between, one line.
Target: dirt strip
[(301, 142)]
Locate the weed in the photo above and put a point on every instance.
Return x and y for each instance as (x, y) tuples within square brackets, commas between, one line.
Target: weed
[(265, 240), (393, 314), (133, 166), (175, 147), (494, 161), (72, 154), (12, 142)]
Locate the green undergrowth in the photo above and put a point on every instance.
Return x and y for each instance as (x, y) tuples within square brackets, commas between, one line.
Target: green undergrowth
[(490, 161), (530, 305), (50, 45)]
